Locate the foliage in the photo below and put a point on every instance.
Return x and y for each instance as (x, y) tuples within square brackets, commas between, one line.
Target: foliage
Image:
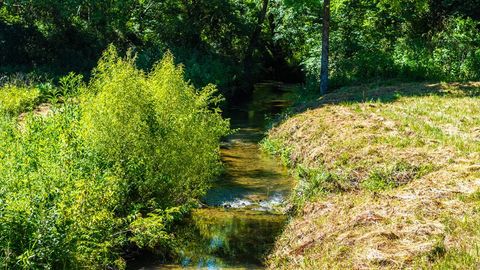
[(369, 38), (383, 39), (457, 49), (14, 99), (152, 231), (105, 168), (210, 37), (162, 122)]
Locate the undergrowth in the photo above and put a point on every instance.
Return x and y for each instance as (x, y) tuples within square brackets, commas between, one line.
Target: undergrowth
[(115, 163), (14, 100)]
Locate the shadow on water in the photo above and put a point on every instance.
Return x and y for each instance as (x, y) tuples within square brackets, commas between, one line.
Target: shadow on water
[(251, 176), (231, 238), (243, 217)]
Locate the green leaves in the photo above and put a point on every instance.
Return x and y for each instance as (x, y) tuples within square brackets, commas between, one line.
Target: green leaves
[(14, 99), (153, 231), (383, 39), (148, 126), (117, 162)]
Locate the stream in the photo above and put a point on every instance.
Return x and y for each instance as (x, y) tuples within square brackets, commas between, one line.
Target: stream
[(243, 216)]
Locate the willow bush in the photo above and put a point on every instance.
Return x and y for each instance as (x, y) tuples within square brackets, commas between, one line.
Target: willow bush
[(132, 149)]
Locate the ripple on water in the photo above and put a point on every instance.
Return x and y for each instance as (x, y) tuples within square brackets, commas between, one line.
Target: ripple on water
[(273, 203)]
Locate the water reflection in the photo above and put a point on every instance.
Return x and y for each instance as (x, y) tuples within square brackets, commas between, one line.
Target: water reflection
[(217, 238), (252, 179)]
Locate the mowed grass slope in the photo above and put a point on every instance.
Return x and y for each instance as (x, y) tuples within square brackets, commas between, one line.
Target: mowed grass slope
[(389, 178)]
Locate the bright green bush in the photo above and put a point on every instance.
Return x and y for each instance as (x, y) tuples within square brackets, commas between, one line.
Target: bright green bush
[(155, 129), (14, 99), (452, 54), (115, 168)]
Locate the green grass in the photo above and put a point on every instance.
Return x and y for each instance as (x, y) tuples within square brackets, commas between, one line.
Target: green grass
[(350, 135), (376, 164), (464, 250)]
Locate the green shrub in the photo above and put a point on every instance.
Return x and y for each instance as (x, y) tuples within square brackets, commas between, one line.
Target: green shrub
[(457, 49), (155, 129), (14, 99), (110, 168)]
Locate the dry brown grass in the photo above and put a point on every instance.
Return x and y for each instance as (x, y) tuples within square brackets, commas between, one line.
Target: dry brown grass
[(43, 109), (363, 230), (416, 223)]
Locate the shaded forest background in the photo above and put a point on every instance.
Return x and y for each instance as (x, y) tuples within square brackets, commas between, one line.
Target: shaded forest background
[(424, 39)]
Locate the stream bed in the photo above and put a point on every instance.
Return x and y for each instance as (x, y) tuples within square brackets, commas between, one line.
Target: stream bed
[(243, 216)]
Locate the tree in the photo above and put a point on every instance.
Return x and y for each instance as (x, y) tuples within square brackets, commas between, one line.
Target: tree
[(254, 40), (325, 47)]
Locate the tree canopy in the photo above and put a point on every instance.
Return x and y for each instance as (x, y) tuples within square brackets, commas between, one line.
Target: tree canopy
[(426, 39)]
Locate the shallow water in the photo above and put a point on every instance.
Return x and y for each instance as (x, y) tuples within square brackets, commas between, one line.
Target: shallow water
[(243, 216)]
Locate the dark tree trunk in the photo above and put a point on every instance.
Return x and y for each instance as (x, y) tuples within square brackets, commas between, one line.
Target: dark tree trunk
[(325, 47)]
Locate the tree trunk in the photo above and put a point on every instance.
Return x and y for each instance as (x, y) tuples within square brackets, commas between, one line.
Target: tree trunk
[(325, 47)]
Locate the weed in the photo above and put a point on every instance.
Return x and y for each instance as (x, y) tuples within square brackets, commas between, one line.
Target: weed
[(14, 99)]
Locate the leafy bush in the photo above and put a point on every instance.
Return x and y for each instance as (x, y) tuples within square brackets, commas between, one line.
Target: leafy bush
[(457, 49), (75, 186), (155, 129), (14, 100)]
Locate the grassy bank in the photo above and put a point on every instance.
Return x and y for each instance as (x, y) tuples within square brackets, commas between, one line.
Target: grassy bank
[(388, 178)]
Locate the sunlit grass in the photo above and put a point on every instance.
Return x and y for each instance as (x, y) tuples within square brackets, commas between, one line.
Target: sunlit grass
[(380, 173)]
